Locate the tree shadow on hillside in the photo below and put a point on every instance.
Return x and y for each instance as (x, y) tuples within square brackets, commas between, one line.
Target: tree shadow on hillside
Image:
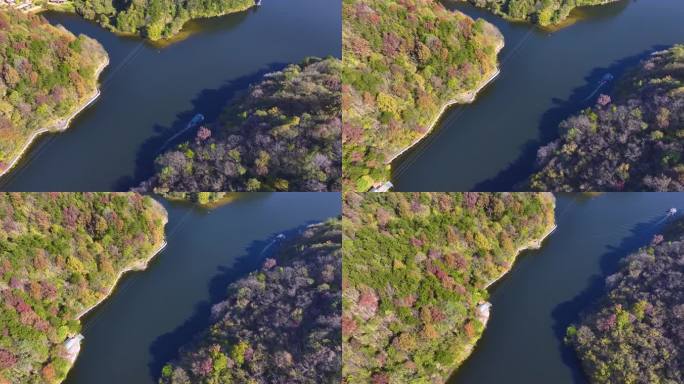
[(568, 312), (210, 103), (514, 177), (166, 347)]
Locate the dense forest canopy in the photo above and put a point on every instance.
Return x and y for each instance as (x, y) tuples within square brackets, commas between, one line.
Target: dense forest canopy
[(61, 253), (154, 19), (636, 333), (46, 74), (201, 198), (403, 60), (283, 135), (542, 12), (630, 141), (278, 325), (416, 265)]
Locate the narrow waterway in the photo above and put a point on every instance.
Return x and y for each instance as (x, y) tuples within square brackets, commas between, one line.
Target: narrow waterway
[(491, 144), (547, 288), (152, 313), (151, 92)]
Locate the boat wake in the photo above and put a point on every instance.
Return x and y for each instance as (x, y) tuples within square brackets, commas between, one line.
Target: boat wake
[(604, 80), (198, 119), (277, 238), (672, 212)]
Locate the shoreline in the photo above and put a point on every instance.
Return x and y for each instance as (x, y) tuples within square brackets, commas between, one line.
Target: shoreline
[(483, 309), (161, 42), (533, 244), (61, 125), (138, 266), (462, 98), (73, 344)]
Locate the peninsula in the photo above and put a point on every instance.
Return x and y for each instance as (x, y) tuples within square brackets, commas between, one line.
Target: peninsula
[(546, 13), (630, 140), (48, 77), (283, 134), (634, 334), (151, 19), (403, 64), (280, 324)]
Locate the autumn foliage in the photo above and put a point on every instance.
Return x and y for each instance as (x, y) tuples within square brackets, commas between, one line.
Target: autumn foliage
[(283, 135), (281, 324), (635, 334), (402, 61), (416, 265), (632, 141), (46, 73), (60, 253)]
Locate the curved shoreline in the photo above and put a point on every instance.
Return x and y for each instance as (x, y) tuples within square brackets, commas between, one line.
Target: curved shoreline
[(61, 125), (482, 315), (533, 244), (73, 344), (462, 98), (138, 266)]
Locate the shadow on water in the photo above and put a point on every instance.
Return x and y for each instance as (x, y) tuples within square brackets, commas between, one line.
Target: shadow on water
[(165, 347), (568, 312), (210, 103), (516, 174)]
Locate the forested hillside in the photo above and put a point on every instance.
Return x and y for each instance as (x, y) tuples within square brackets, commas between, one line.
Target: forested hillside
[(636, 334), (46, 74), (542, 12), (61, 253), (154, 19), (416, 266), (201, 198), (402, 62), (278, 325), (283, 135), (631, 141)]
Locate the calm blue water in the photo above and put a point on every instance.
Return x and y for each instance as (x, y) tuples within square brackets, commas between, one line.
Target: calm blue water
[(490, 145), (153, 312)]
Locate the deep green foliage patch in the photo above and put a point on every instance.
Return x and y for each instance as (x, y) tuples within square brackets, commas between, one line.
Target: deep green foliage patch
[(154, 19), (542, 12)]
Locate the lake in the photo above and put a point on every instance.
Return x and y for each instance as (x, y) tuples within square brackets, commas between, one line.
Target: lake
[(150, 92), (131, 335), (491, 144), (547, 288)]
